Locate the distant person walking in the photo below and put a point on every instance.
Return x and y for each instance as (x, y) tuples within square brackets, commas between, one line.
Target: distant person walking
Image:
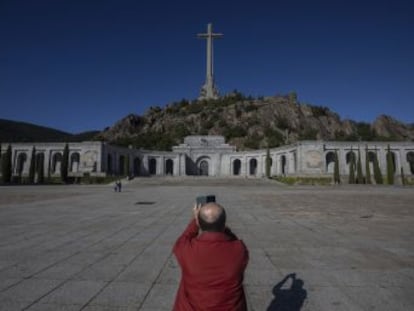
[(118, 186)]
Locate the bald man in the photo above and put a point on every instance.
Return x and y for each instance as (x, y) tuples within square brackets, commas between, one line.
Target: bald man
[(212, 261)]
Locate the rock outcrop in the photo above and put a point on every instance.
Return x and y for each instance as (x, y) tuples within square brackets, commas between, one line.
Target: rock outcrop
[(248, 123)]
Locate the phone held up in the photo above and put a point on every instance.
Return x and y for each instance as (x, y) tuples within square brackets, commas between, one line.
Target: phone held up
[(201, 200)]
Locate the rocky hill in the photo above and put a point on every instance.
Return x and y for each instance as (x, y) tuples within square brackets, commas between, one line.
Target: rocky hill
[(248, 123)]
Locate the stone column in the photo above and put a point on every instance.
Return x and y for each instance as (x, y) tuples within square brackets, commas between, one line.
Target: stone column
[(160, 167)]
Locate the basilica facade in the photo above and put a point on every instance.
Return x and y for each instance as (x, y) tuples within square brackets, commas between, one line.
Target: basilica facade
[(209, 156)]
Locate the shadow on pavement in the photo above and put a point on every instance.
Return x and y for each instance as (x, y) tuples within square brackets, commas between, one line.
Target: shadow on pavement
[(288, 299)]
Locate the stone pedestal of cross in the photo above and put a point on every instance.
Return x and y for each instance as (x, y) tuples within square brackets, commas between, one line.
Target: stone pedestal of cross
[(208, 90)]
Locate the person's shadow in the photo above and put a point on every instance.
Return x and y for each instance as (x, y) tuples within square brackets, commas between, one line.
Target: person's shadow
[(289, 299)]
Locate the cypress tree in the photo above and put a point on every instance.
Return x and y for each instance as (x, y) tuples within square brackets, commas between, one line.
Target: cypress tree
[(402, 177), (268, 163), (377, 171), (390, 167), (367, 169), (65, 164), (337, 178), (40, 169), (352, 168), (32, 169), (6, 165), (360, 176)]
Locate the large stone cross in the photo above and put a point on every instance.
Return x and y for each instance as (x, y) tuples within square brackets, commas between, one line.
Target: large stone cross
[(209, 90)]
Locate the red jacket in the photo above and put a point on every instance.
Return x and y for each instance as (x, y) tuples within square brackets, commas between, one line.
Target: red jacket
[(212, 268)]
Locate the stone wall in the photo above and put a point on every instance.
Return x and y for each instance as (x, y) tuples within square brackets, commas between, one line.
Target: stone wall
[(210, 155)]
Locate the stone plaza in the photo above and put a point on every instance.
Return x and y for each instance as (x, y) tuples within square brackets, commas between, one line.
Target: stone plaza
[(350, 247)]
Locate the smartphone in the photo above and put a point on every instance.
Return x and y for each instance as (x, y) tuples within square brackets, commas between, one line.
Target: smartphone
[(201, 200)]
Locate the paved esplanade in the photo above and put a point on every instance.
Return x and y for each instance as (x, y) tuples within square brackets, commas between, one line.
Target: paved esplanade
[(209, 91), (89, 248)]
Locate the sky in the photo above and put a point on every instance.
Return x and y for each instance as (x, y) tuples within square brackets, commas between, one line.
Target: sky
[(79, 65)]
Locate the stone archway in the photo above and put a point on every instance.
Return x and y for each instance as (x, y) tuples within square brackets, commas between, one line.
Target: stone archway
[(21, 162), (152, 165), (203, 168), (350, 157), (410, 160), (252, 167), (74, 162), (122, 165), (330, 162), (109, 164), (236, 167), (137, 166), (56, 162), (393, 160), (169, 167), (283, 165)]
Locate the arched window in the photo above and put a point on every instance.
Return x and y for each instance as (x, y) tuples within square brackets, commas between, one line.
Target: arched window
[(169, 167), (236, 167), (252, 166)]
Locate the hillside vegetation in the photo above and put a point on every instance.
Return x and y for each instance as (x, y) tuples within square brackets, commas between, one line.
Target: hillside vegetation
[(247, 123)]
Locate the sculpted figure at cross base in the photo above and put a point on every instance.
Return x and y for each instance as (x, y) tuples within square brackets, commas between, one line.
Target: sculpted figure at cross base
[(208, 90)]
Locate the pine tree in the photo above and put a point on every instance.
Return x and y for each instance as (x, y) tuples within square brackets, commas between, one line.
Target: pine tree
[(268, 163), (32, 169), (377, 171), (390, 167), (337, 178), (352, 168), (65, 164), (360, 176), (367, 169), (6, 165)]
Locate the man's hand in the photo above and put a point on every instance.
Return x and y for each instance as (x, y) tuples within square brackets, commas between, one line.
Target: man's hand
[(196, 211)]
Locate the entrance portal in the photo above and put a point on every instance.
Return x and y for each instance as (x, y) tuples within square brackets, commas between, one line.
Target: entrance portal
[(203, 170)]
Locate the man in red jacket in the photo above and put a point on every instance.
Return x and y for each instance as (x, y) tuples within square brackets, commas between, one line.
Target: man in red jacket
[(212, 264)]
